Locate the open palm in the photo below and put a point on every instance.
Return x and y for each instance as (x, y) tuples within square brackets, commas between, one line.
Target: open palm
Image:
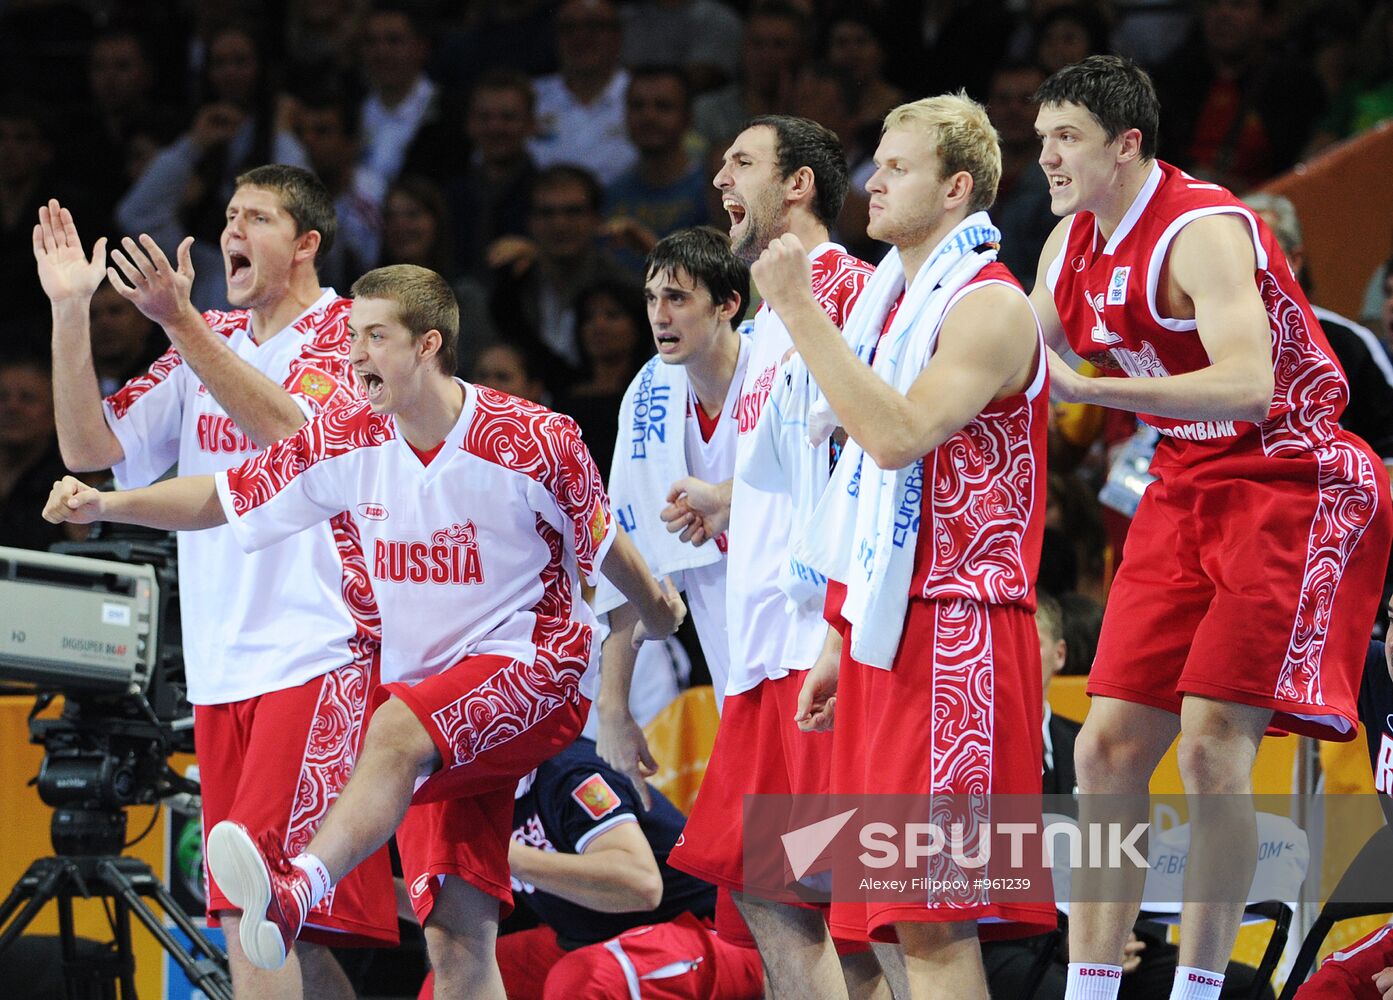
[(64, 270)]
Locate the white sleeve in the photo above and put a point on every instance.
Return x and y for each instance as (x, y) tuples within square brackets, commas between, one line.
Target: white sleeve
[(280, 492), (147, 416)]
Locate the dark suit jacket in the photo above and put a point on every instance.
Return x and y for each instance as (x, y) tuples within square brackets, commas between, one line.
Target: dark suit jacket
[(1060, 779)]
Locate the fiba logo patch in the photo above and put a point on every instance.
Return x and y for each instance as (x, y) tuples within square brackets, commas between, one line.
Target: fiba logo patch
[(1117, 287)]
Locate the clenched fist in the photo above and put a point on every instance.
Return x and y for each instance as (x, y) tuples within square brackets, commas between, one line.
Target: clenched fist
[(73, 501)]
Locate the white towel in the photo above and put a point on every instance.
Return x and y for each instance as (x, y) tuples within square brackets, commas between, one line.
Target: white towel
[(649, 456), (790, 452), (864, 530)]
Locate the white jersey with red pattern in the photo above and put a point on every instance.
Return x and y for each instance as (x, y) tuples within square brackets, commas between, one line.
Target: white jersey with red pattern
[(475, 553), (235, 608), (766, 640), (1106, 297), (983, 511)]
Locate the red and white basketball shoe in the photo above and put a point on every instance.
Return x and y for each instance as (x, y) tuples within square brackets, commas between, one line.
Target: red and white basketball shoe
[(273, 895)]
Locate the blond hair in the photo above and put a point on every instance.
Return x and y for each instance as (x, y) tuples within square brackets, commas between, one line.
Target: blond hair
[(963, 138), (424, 302)]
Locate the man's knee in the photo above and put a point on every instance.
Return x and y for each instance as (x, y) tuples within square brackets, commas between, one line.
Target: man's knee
[(1213, 763), (923, 938), (395, 730)]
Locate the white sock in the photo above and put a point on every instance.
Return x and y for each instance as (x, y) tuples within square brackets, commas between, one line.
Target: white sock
[(1092, 982), (1196, 984), (320, 883)]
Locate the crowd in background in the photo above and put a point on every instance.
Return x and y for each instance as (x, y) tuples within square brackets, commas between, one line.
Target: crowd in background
[(532, 151)]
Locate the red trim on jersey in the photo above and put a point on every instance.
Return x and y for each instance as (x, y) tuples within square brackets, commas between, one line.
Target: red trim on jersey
[(332, 433), (546, 447), (426, 455), (706, 423)]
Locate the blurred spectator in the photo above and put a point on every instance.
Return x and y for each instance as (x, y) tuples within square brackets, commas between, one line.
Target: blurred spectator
[(320, 35), (580, 110), (487, 194), (185, 188), (615, 341), (1150, 31), (29, 460), (772, 51), (702, 37), (1022, 209), (1369, 413), (1367, 98), (416, 230), (1385, 329), (121, 109), (855, 46), (124, 342), (515, 36), (1239, 104), (536, 280), (1072, 508), (666, 190), (26, 154), (828, 96), (401, 100), (1083, 620), (964, 40), (508, 368), (1069, 34), (327, 127)]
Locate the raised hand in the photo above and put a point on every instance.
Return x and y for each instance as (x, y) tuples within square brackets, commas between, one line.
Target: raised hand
[(158, 290), (73, 501), (783, 272), (64, 270)]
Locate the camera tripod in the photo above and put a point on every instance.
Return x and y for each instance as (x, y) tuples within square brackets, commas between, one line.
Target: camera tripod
[(128, 882)]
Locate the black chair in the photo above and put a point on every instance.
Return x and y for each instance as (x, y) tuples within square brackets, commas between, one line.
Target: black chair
[(1373, 865)]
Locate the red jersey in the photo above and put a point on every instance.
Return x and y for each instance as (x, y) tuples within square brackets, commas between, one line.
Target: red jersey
[(982, 516), (1106, 297)]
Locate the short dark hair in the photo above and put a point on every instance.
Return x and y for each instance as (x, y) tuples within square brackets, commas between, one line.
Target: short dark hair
[(704, 253), (330, 97), (302, 195), (424, 302), (802, 142), (659, 71), (1115, 91), (505, 79), (567, 173)]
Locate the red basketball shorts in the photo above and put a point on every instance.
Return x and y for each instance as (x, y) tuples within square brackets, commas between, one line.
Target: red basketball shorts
[(493, 719), (1251, 579), (277, 762), (960, 713)]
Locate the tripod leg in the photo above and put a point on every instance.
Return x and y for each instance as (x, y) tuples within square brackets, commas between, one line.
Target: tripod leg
[(184, 922), (40, 884), (125, 957), (207, 975)]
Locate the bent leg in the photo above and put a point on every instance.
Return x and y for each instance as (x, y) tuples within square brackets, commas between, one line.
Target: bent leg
[(396, 752)]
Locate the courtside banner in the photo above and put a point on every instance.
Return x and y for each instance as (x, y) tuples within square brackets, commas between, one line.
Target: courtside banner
[(970, 850)]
